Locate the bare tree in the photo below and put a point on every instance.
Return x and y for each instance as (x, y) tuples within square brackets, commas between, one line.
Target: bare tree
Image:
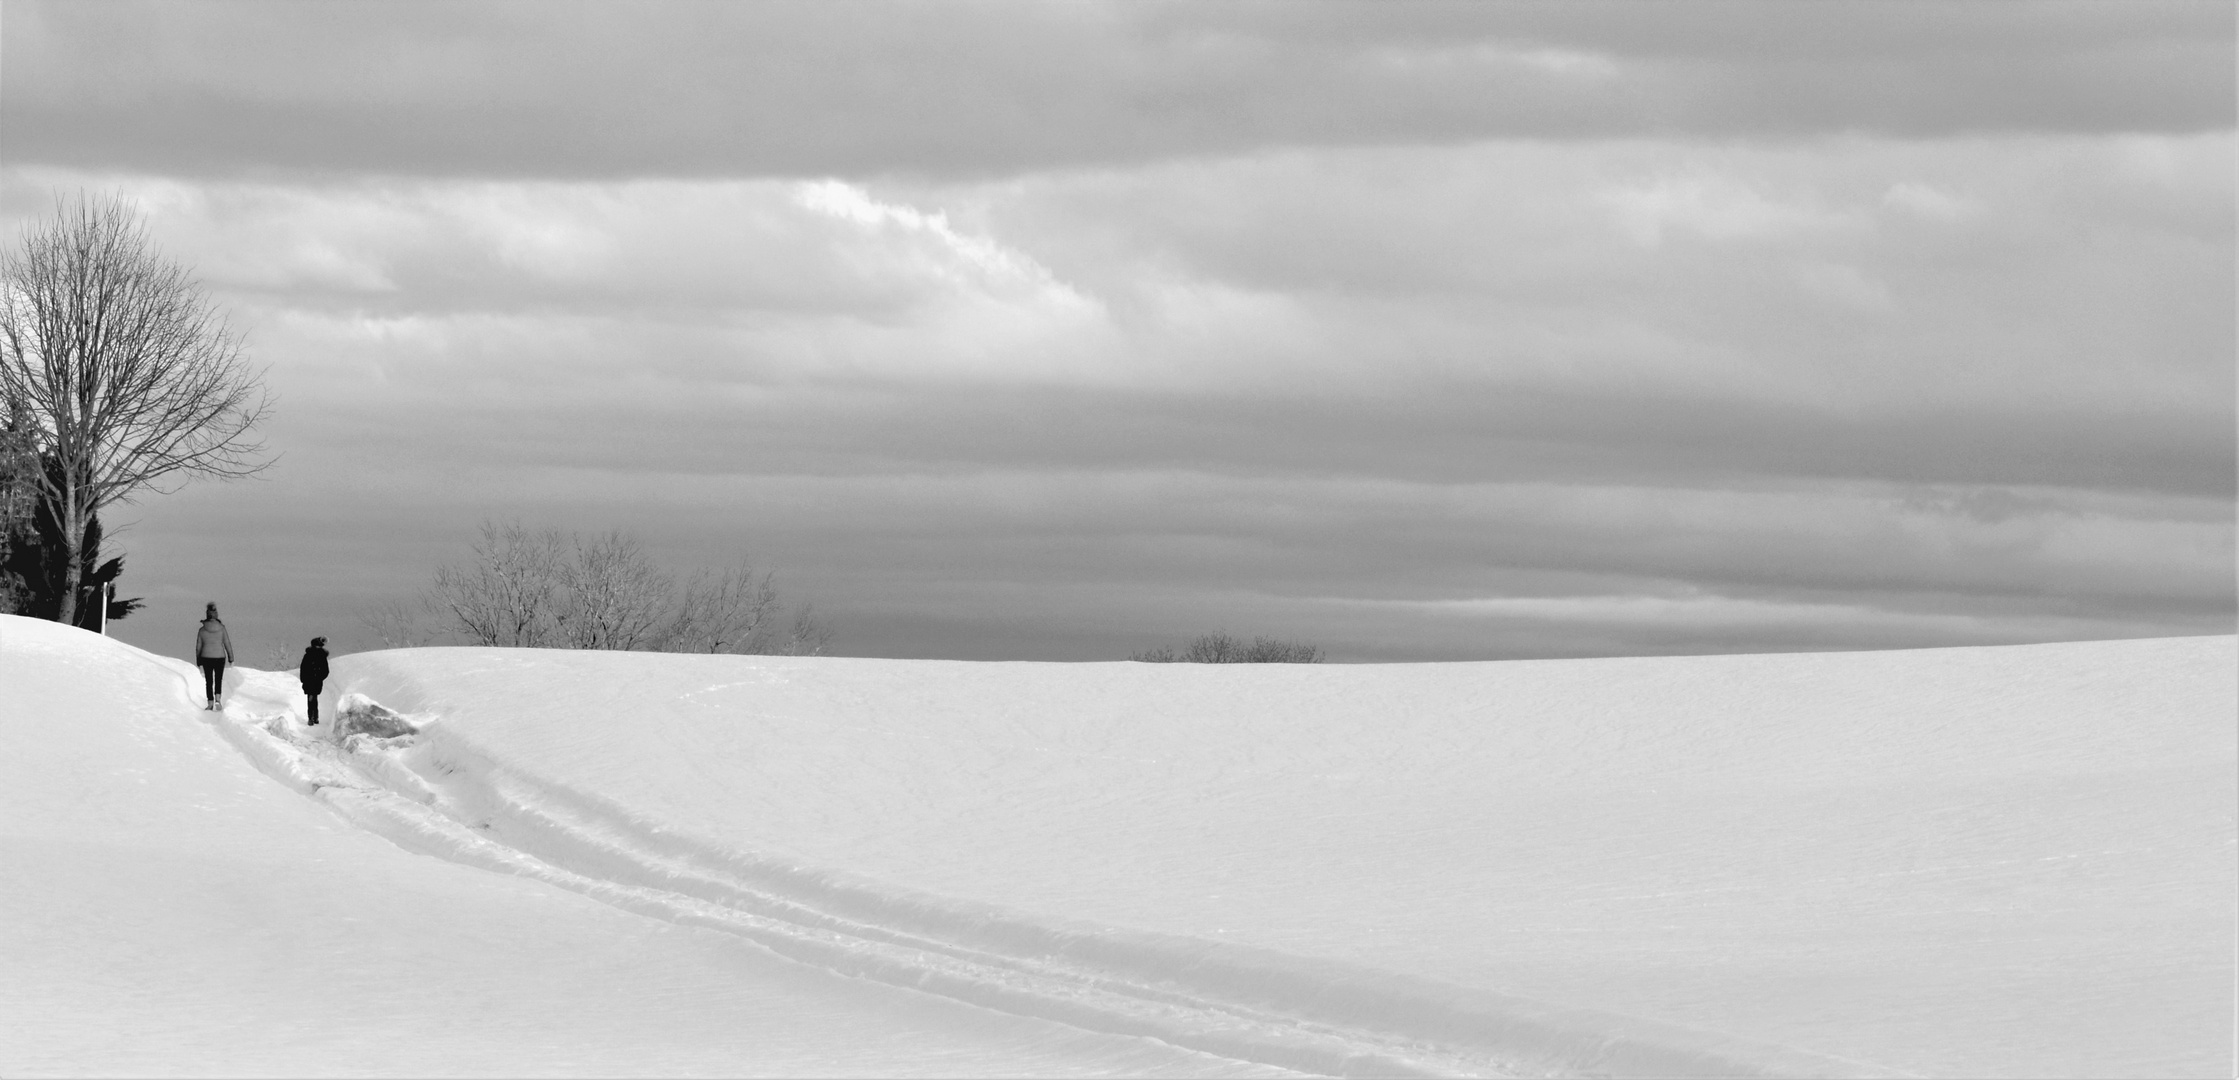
[(396, 627), (506, 595), (613, 597), (808, 636), (730, 613), (738, 612), (123, 370), (542, 589), (1219, 647)]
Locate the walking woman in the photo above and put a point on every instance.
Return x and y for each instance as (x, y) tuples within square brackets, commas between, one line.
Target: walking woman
[(213, 650), (313, 674)]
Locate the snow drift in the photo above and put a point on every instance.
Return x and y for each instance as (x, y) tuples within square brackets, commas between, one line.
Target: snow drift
[(2001, 861)]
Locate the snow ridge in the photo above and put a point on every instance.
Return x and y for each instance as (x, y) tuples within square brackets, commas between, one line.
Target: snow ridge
[(433, 792)]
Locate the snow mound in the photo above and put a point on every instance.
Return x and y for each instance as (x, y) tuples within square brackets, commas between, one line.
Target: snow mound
[(452, 799), (165, 908), (1996, 861), (1667, 866)]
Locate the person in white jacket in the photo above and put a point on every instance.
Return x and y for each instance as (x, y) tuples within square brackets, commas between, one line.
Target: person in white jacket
[(213, 650)]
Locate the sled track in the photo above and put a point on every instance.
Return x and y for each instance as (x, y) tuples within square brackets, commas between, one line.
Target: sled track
[(434, 793)]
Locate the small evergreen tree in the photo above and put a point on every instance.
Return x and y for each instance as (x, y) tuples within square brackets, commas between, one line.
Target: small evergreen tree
[(19, 494), (34, 568)]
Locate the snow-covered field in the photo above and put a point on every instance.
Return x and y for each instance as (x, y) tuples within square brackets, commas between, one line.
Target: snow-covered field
[(2008, 861)]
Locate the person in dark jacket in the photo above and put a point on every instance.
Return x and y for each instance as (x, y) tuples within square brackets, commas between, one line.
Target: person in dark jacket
[(213, 650), (313, 672)]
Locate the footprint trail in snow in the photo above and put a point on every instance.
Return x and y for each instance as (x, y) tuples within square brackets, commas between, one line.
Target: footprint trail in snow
[(429, 791)]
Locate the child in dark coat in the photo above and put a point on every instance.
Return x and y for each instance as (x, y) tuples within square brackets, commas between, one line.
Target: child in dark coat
[(313, 672)]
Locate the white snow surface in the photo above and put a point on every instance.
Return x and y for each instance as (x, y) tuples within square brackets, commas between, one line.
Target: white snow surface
[(2004, 861)]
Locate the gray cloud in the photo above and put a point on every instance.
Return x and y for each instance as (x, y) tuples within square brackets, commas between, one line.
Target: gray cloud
[(1512, 437), (1422, 331), (1054, 563), (807, 89)]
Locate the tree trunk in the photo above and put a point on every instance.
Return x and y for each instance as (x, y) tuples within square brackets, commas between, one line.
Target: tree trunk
[(72, 519)]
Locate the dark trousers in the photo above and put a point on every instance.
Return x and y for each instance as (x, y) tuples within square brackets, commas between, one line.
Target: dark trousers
[(311, 694), (213, 676)]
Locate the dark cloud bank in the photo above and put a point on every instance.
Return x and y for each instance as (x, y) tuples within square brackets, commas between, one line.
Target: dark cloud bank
[(809, 89)]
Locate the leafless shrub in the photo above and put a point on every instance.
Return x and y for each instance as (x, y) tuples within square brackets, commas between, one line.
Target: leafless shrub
[(1271, 651), (397, 627), (807, 637), (1219, 647), (281, 658)]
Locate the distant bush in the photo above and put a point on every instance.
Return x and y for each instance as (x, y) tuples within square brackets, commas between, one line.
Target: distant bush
[(544, 589), (1219, 648)]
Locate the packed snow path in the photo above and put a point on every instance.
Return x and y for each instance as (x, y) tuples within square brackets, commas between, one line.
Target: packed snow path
[(2003, 861), (166, 909), (445, 798)]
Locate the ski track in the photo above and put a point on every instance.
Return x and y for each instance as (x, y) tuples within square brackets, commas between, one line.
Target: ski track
[(434, 793)]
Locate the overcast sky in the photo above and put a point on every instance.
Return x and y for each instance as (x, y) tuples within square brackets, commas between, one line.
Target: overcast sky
[(1062, 330)]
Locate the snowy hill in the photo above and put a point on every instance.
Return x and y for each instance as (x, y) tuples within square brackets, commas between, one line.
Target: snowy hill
[(1985, 861)]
